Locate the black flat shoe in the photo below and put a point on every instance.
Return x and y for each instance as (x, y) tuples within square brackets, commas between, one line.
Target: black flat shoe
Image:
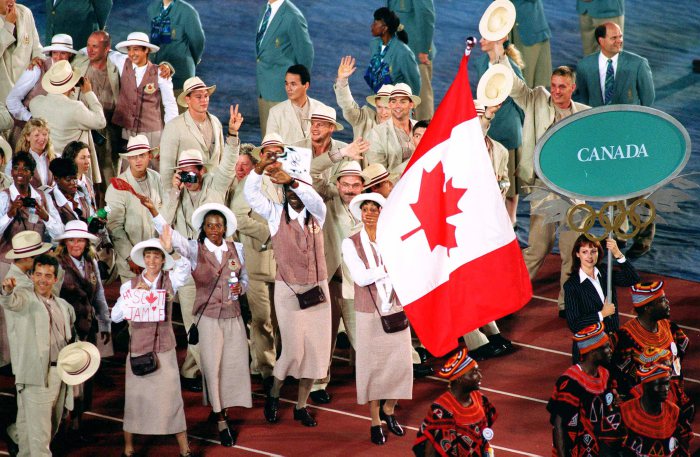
[(320, 396), (303, 415), (191, 384), (272, 408), (421, 371), (423, 354), (376, 434), (226, 437), (391, 423)]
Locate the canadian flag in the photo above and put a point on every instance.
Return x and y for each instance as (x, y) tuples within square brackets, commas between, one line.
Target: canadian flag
[(445, 236)]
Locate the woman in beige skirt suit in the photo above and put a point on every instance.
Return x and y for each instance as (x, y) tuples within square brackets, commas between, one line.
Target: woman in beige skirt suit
[(153, 403), (384, 366)]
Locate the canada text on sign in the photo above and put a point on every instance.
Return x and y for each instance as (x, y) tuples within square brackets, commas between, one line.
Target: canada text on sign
[(612, 153)]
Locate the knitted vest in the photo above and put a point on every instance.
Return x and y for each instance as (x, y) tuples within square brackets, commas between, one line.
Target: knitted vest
[(139, 108), (299, 252)]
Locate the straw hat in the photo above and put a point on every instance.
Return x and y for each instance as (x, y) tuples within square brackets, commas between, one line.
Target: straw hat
[(60, 78), (6, 149), (357, 201), (271, 139), (479, 107), (60, 42), (404, 90), (137, 145), (78, 362), (383, 92), (374, 174), (192, 84), (498, 20), (26, 244), (137, 253), (76, 229), (189, 157), (201, 212), (495, 85), (349, 168), (327, 114), (136, 39)]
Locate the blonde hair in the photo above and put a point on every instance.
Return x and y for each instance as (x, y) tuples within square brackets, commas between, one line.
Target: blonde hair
[(515, 56), (29, 127), (89, 252)]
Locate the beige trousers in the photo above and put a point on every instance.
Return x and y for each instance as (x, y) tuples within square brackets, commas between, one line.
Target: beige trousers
[(340, 307), (263, 326), (39, 413), (588, 25), (264, 107), (426, 109), (538, 61), (479, 337), (186, 294)]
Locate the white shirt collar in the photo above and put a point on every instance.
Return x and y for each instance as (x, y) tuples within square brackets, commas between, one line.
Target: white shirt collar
[(583, 276), (14, 192), (149, 283), (214, 248), (79, 263), (274, 7), (298, 216)]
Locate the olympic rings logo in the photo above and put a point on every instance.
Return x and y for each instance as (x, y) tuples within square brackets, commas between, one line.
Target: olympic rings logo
[(582, 217)]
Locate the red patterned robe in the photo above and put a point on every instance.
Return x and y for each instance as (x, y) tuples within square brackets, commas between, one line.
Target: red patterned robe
[(647, 435)]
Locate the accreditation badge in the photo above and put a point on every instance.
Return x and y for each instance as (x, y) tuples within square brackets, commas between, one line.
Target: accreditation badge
[(149, 89), (233, 265), (93, 278)]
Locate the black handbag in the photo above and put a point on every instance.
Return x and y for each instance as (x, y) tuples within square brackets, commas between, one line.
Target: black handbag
[(147, 363), (391, 323), (193, 332), (315, 295)]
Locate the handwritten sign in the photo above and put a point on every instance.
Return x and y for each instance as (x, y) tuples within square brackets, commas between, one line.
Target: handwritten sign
[(144, 305)]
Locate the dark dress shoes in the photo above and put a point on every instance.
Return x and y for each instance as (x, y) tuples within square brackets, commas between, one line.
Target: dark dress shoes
[(423, 354), (376, 434), (498, 340), (421, 371), (304, 417), (321, 397), (226, 437), (391, 423), (191, 384), (487, 351), (272, 408)]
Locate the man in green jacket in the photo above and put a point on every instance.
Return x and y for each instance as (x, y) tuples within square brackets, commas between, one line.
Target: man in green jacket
[(77, 18)]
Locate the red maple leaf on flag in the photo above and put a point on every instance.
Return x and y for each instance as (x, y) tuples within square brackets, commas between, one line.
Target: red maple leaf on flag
[(437, 200)]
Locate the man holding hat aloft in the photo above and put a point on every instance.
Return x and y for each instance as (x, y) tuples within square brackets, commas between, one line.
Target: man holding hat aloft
[(197, 128), (41, 325), (145, 99), (69, 119), (583, 408), (129, 222), (29, 84), (301, 278), (652, 328)]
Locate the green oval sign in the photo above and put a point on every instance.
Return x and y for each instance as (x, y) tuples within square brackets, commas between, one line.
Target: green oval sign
[(612, 153)]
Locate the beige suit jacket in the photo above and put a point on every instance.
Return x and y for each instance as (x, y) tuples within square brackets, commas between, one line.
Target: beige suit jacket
[(362, 120), (254, 232), (539, 117), (385, 148), (5, 118), (130, 222), (283, 121), (71, 120), (181, 134), (179, 205), (81, 63), (16, 53)]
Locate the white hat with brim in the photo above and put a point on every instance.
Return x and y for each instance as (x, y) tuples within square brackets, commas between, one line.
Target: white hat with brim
[(201, 212), (357, 201), (76, 229), (137, 145), (60, 42), (271, 139), (136, 39), (137, 253), (495, 85), (188, 158), (27, 244), (350, 168), (78, 362), (382, 93), (192, 84), (404, 90), (497, 20), (325, 113), (60, 78), (374, 174), (6, 150)]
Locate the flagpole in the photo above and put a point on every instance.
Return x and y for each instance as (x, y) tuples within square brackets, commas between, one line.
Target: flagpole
[(610, 257)]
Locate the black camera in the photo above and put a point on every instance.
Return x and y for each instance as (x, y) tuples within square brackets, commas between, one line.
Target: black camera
[(29, 202), (188, 177)]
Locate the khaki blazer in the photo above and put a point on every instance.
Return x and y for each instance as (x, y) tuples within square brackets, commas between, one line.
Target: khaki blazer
[(71, 120), (6, 120), (16, 53), (254, 232), (81, 63), (362, 119), (385, 148), (180, 205), (539, 117), (283, 121), (181, 134), (130, 222), (29, 332)]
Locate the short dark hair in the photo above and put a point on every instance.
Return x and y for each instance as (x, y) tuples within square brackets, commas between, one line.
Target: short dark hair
[(420, 125), (46, 259), (72, 149), (565, 71), (62, 167), (26, 158), (302, 71), (600, 31)]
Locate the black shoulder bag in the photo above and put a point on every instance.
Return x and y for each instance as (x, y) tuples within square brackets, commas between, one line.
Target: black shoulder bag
[(313, 296), (193, 332), (391, 323)]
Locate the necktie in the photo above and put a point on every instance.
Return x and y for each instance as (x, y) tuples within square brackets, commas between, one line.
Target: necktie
[(609, 82), (263, 26)]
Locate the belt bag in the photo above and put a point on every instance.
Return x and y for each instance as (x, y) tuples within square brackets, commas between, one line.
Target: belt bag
[(141, 365), (392, 323), (311, 297)]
